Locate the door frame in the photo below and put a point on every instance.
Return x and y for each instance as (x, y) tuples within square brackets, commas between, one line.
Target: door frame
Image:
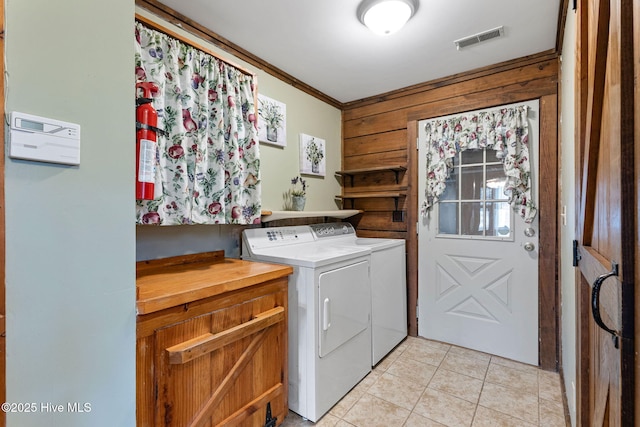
[(548, 291)]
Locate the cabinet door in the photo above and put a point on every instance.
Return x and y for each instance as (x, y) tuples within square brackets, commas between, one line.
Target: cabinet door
[(222, 368)]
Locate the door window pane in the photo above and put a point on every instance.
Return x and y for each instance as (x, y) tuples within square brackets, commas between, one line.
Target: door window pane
[(496, 181), (472, 183), (447, 218), (472, 157), (492, 156), (451, 190), (497, 219), (471, 219)]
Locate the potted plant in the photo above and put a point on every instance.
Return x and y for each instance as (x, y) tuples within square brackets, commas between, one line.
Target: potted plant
[(297, 193), (273, 117), (314, 155)]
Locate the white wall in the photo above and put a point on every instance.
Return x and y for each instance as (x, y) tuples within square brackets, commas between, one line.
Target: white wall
[(161, 242), (305, 114), (567, 199), (70, 234), (308, 115)]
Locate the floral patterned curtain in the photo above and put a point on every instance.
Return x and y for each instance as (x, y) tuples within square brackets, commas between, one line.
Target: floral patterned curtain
[(504, 130), (208, 164)]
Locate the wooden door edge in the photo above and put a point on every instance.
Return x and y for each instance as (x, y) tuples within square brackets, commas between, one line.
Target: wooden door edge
[(3, 348), (548, 298), (412, 227)]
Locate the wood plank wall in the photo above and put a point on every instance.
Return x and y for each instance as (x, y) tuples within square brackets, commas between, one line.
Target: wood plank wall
[(382, 131)]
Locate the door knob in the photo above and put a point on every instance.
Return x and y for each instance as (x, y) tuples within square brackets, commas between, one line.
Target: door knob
[(529, 246)]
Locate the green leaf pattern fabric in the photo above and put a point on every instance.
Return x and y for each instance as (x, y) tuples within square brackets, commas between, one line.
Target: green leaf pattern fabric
[(504, 130), (208, 165)]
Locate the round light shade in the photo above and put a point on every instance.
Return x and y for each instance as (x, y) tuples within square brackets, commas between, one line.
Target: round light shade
[(385, 17)]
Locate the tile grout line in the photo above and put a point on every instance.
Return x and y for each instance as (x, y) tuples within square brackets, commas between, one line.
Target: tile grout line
[(484, 381)]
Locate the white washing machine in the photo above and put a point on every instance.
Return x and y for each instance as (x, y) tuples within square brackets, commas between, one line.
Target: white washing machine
[(329, 313), (388, 284)]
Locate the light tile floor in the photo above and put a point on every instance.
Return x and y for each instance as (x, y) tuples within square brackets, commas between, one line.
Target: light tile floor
[(425, 383)]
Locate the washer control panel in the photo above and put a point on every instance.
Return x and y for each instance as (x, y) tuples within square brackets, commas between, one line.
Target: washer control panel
[(276, 236), (333, 229), (281, 235)]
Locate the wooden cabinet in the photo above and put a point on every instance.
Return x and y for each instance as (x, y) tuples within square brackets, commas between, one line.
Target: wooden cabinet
[(211, 342)]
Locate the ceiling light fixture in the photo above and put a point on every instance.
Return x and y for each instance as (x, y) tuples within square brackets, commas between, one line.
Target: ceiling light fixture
[(385, 17)]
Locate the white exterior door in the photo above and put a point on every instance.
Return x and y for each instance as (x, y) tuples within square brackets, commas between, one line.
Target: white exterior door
[(478, 260)]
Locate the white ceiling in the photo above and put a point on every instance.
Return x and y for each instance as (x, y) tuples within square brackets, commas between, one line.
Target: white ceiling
[(322, 43)]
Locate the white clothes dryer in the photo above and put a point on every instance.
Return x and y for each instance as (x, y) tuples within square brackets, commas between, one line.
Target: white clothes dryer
[(329, 314), (388, 284)]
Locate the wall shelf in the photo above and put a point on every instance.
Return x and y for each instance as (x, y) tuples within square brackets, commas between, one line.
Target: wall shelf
[(398, 216), (374, 194), (395, 194), (351, 172), (268, 216)]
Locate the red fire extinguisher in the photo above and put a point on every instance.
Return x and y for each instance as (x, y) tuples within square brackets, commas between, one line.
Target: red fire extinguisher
[(146, 142)]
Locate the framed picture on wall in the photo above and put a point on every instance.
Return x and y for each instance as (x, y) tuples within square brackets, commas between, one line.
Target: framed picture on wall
[(272, 121), (312, 155)]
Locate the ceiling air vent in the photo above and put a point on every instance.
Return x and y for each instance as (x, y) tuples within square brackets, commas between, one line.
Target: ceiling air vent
[(480, 37)]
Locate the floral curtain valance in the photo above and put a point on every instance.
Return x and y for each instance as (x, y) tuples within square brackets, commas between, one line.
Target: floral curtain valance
[(504, 130), (208, 163)]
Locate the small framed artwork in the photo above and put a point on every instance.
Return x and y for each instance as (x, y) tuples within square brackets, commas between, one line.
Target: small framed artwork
[(272, 121), (312, 155)]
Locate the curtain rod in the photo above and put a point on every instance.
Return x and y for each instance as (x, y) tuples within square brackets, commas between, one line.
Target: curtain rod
[(159, 27)]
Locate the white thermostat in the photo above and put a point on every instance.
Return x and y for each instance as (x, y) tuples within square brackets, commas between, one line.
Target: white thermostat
[(43, 139)]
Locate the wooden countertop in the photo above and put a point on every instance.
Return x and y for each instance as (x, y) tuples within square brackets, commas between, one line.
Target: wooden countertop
[(170, 282)]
